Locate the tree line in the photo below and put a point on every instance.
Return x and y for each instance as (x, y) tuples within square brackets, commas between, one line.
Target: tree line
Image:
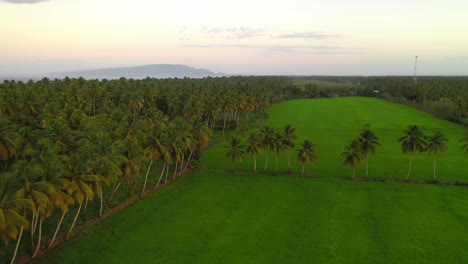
[(413, 141), (269, 140), (66, 143)]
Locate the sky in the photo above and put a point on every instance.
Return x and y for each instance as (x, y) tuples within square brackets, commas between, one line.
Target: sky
[(302, 37)]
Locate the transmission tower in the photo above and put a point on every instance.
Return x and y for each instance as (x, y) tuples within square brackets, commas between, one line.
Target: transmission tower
[(415, 77)]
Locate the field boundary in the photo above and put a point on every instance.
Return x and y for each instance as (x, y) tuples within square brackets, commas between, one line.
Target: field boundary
[(26, 258), (311, 176)]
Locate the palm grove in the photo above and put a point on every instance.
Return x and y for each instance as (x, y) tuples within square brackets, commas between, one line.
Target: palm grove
[(70, 149)]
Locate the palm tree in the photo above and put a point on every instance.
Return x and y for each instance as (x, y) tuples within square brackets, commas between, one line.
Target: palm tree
[(352, 155), (236, 150), (412, 141), (253, 147), (13, 212), (436, 145), (306, 154), (278, 143), (368, 141), (7, 139), (267, 134), (288, 140), (153, 152)]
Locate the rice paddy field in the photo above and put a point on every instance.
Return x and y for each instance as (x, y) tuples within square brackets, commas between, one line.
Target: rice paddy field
[(213, 215)]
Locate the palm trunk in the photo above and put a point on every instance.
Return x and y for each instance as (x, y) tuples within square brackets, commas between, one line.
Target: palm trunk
[(276, 160), (39, 239), (435, 168), (175, 170), (17, 245), (74, 220), (57, 229), (232, 164), (303, 166), (255, 164), (289, 163), (146, 177), (113, 192), (189, 158), (266, 161), (367, 165), (181, 169), (409, 169), (86, 203), (167, 172), (354, 173), (160, 177)]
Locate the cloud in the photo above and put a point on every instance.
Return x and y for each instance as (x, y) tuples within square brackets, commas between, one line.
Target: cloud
[(24, 1), (310, 49), (307, 35), (234, 32)]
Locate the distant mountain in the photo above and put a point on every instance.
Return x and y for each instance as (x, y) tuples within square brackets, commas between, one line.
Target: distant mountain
[(138, 72)]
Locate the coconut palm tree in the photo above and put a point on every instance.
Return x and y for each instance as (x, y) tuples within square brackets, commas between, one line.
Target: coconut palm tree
[(253, 147), (267, 134), (236, 150), (352, 155), (152, 152), (435, 145), (368, 141), (412, 141), (7, 139), (13, 213), (289, 139), (306, 154)]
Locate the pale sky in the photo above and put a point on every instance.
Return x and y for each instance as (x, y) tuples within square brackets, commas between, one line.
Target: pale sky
[(334, 37)]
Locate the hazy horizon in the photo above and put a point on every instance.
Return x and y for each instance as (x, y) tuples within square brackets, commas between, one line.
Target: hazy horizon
[(244, 37)]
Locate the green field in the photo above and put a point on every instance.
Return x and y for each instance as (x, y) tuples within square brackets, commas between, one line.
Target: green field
[(213, 216), (333, 123)]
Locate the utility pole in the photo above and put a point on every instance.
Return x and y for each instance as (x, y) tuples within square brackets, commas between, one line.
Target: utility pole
[(415, 77)]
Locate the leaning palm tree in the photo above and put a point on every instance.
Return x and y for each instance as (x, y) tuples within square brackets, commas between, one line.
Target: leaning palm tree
[(435, 145), (267, 135), (306, 154), (368, 141), (289, 139), (253, 147), (236, 150), (13, 212), (352, 155), (412, 141)]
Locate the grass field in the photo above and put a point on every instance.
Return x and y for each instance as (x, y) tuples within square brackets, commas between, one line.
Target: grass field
[(210, 217), (332, 123), (214, 216)]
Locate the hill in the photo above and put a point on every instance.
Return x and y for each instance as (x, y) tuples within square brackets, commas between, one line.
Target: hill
[(159, 71)]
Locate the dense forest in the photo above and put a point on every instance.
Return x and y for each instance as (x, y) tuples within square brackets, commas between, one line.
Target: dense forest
[(66, 142)]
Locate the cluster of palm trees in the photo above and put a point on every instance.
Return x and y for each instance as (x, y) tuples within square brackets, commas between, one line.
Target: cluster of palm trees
[(359, 149), (64, 143), (413, 141), (269, 140)]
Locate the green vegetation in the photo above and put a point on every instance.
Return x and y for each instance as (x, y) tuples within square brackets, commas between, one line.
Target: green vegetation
[(71, 149), (66, 144), (212, 217), (331, 123)]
